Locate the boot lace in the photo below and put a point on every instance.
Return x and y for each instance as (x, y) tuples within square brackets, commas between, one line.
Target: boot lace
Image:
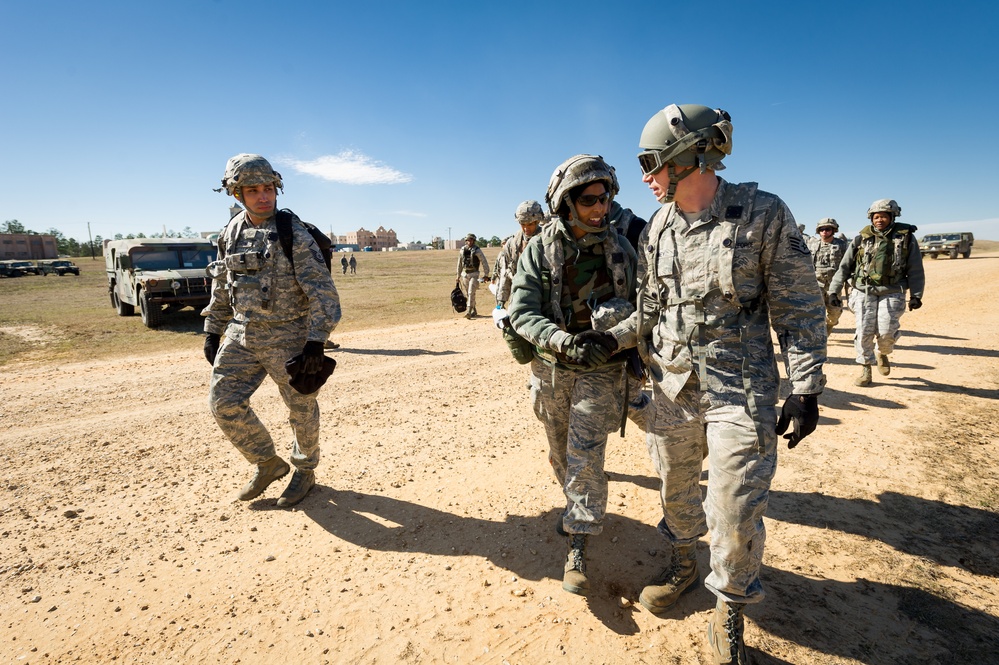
[(577, 543)]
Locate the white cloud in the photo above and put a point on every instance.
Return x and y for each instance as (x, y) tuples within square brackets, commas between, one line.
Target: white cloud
[(350, 168)]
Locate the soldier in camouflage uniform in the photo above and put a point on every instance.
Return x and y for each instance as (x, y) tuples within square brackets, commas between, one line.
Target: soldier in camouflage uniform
[(470, 261), (720, 263), (827, 251), (576, 268), (269, 309), (529, 215), (882, 262)]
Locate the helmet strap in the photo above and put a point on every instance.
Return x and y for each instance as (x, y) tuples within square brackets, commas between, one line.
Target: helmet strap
[(674, 179)]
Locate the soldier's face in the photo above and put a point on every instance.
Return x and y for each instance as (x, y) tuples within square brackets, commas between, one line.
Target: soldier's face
[(881, 220), (593, 214), (260, 200), (658, 182), (529, 229), (826, 234)]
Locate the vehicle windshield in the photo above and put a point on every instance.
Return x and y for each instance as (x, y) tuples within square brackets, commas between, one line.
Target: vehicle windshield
[(174, 258), (942, 237), (21, 264)]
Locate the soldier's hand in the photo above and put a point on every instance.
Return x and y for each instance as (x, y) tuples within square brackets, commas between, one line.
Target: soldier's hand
[(312, 357), (803, 411), (592, 348), (915, 303), (212, 342), (834, 300)]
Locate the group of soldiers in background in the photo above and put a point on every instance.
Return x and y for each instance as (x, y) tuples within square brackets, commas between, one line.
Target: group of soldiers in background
[(695, 291)]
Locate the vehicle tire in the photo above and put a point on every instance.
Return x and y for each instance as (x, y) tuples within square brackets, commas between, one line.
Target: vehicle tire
[(124, 309), (152, 313), (953, 253), (933, 256), (967, 254)]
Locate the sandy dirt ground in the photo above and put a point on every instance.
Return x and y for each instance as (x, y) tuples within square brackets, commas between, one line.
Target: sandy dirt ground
[(430, 537)]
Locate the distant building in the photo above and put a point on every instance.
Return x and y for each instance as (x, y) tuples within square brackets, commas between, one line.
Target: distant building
[(377, 240), (26, 246)]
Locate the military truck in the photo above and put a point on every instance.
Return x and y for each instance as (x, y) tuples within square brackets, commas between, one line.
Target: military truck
[(158, 275), (17, 268), (60, 267), (950, 244), (7, 270)]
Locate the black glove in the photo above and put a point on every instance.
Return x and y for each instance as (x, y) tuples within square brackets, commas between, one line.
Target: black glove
[(834, 300), (592, 348), (312, 357), (915, 302), (212, 342), (804, 411)]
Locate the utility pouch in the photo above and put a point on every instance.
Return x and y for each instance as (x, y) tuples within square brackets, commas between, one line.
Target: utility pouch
[(245, 262), (521, 350)]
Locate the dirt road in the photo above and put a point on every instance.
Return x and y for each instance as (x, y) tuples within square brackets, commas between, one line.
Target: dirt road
[(430, 536)]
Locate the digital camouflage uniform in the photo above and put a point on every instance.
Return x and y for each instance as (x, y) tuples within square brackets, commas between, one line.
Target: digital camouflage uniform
[(826, 257), (267, 310), (506, 265), (882, 267), (710, 291), (558, 278), (468, 272)]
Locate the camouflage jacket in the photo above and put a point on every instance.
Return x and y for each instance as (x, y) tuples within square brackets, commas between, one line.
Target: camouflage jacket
[(255, 284), (903, 267), (826, 257), (539, 307), (506, 265), (474, 253), (711, 289)]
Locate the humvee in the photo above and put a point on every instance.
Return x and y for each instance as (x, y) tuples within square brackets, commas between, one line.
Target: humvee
[(17, 268), (58, 266), (950, 244), (158, 275), (7, 270)]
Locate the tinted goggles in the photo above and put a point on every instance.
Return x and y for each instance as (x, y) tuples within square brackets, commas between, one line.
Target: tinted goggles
[(651, 161), (590, 200)]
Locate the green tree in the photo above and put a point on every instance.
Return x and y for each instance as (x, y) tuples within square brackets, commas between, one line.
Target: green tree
[(12, 226), (495, 241)]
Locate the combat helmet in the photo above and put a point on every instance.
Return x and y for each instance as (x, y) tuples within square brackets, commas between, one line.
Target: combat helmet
[(827, 223), (884, 205), (530, 212), (245, 169), (580, 170), (685, 135), (470, 236)]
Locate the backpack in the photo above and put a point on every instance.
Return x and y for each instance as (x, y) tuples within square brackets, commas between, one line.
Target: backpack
[(458, 301), (284, 220)]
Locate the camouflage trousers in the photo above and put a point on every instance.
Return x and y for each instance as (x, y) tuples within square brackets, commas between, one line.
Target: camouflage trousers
[(470, 282), (878, 318), (237, 374), (578, 410), (741, 466), (639, 403)]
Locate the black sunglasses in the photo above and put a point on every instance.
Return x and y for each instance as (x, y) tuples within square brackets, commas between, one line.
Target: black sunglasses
[(590, 200)]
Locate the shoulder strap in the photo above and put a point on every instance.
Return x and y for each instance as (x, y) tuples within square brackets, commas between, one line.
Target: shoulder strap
[(284, 230)]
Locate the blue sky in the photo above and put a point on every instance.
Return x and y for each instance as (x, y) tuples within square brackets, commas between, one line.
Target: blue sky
[(440, 117)]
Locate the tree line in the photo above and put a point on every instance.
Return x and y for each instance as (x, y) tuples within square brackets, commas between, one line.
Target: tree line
[(72, 247)]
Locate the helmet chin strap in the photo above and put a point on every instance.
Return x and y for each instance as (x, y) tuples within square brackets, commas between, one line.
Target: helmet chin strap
[(673, 180)]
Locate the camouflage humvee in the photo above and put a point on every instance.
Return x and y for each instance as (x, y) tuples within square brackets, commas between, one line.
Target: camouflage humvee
[(58, 266), (950, 244), (159, 275), (17, 268)]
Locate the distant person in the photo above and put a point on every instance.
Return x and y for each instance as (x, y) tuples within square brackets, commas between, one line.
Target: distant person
[(529, 216), (882, 263), (723, 263), (827, 252), (574, 272), (470, 261), (276, 310), (343, 264), (353, 265)]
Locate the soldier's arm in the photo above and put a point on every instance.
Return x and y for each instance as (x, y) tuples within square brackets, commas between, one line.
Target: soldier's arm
[(526, 303), (317, 284), (914, 270), (797, 310), (218, 312), (485, 264)]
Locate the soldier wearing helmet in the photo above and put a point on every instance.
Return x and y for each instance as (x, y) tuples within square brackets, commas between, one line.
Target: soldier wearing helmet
[(827, 251), (882, 263), (470, 261), (722, 263), (276, 310), (529, 216), (571, 271)]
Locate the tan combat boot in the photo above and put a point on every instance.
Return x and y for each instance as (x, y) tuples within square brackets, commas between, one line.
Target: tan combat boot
[(301, 482), (574, 580), (884, 366), (675, 580), (267, 473), (725, 635), (865, 377)]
